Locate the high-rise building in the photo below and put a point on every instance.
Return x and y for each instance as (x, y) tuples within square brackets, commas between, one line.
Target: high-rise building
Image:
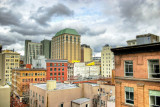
[(86, 53), (21, 79), (144, 39), (46, 48), (66, 45), (10, 60), (32, 50), (57, 70), (107, 61), (137, 75)]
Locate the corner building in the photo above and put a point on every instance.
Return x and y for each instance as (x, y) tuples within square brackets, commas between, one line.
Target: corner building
[(66, 45), (137, 75), (57, 70)]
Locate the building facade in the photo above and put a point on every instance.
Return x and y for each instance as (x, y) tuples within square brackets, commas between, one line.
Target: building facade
[(66, 45), (137, 75), (82, 70), (86, 53), (57, 70), (46, 48), (144, 39), (21, 79), (39, 62), (10, 60), (107, 61), (64, 95), (32, 50), (4, 89)]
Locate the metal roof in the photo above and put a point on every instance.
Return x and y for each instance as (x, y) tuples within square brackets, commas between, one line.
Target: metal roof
[(67, 31), (81, 100)]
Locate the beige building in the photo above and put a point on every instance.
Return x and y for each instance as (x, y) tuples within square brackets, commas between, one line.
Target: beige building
[(55, 94), (86, 53), (107, 61), (4, 89), (131, 42), (5, 96), (10, 60), (66, 45)]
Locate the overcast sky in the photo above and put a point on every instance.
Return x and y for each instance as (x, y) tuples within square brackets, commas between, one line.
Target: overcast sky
[(99, 22)]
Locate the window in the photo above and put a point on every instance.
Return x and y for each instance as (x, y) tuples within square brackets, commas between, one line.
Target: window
[(55, 64), (43, 99), (66, 38), (154, 71), (62, 73), (128, 68), (55, 69), (50, 64), (129, 94), (58, 64), (59, 69), (62, 69), (51, 74), (61, 105), (50, 69), (39, 97), (55, 74), (35, 74), (59, 73), (71, 38), (62, 64), (154, 98)]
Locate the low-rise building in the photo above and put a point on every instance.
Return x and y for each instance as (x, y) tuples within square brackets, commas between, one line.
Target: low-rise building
[(57, 70), (81, 69), (21, 79), (52, 94), (143, 39), (137, 75)]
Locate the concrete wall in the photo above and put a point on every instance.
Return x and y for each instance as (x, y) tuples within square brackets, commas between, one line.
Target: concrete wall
[(5, 96), (39, 62)]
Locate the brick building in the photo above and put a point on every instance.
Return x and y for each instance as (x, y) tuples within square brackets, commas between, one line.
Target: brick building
[(57, 70), (137, 75), (21, 79)]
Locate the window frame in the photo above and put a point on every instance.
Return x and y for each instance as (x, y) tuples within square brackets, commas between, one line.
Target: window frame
[(128, 68), (129, 96)]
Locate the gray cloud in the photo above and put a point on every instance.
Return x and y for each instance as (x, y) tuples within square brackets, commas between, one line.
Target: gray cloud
[(44, 14), (8, 17)]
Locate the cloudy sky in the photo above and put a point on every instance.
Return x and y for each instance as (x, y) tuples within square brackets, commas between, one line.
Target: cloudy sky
[(99, 22)]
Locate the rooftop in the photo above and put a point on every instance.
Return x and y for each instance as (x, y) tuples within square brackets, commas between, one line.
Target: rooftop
[(152, 47), (56, 60), (67, 31), (27, 69), (59, 86), (81, 100)]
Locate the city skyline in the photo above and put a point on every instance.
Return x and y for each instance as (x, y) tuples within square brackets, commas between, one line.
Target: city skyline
[(98, 22)]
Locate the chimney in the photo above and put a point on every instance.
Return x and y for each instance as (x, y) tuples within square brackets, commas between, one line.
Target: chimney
[(51, 84)]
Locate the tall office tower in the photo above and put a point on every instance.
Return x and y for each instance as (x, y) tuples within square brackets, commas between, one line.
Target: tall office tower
[(107, 61), (86, 53), (10, 60), (66, 45), (32, 50), (46, 48)]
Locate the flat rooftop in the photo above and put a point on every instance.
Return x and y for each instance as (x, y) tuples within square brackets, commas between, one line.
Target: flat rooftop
[(59, 86), (81, 100)]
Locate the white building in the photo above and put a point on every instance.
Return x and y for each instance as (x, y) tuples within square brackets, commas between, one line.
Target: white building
[(80, 69), (107, 61), (39, 62)]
